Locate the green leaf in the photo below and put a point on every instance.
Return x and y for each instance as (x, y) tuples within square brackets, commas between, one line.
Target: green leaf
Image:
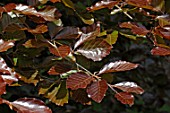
[(128, 36), (112, 38)]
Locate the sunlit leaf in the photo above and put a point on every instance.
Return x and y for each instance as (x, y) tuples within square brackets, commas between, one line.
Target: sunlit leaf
[(125, 98), (164, 32), (95, 49), (59, 95), (112, 38), (86, 21), (78, 80), (128, 36), (48, 13), (5, 45), (164, 20), (80, 95), (97, 90), (35, 43), (160, 51), (130, 87), (102, 4), (30, 105), (117, 66), (61, 51)]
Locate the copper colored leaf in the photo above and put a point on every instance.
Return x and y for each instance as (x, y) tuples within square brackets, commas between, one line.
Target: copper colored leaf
[(163, 20), (61, 67), (39, 29), (35, 43), (7, 8), (30, 105), (9, 79), (125, 98), (135, 29), (54, 1), (61, 51), (89, 34), (95, 49), (48, 13), (5, 45), (80, 95), (68, 33), (78, 80), (160, 51), (102, 4), (141, 3), (164, 32), (130, 87), (2, 86), (97, 90), (117, 66)]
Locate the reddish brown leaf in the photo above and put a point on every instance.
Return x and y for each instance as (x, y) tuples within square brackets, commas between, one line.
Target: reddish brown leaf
[(117, 66), (5, 45), (7, 8), (35, 43), (95, 49), (61, 51), (39, 29), (90, 35), (80, 95), (78, 80), (102, 4), (2, 86), (9, 79), (135, 29), (164, 32), (30, 105), (97, 90), (68, 33), (141, 3), (160, 51), (125, 98), (60, 68), (54, 1), (130, 87), (49, 13)]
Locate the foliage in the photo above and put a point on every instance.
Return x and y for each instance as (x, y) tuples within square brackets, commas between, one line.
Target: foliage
[(67, 49)]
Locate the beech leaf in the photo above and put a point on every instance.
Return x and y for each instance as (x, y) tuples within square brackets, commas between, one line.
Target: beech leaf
[(117, 66), (95, 49), (112, 38), (49, 13), (90, 35), (59, 95), (39, 29), (7, 8), (130, 87), (80, 95), (68, 33), (97, 90), (78, 80), (135, 29), (5, 45), (61, 51), (30, 105), (160, 51), (102, 4), (125, 98)]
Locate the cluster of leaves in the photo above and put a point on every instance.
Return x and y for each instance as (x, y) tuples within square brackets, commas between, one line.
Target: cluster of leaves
[(43, 50)]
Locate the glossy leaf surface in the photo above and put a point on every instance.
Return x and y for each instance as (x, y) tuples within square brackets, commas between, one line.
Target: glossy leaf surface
[(97, 90), (130, 87), (78, 80), (117, 66), (160, 51), (125, 98), (95, 49)]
